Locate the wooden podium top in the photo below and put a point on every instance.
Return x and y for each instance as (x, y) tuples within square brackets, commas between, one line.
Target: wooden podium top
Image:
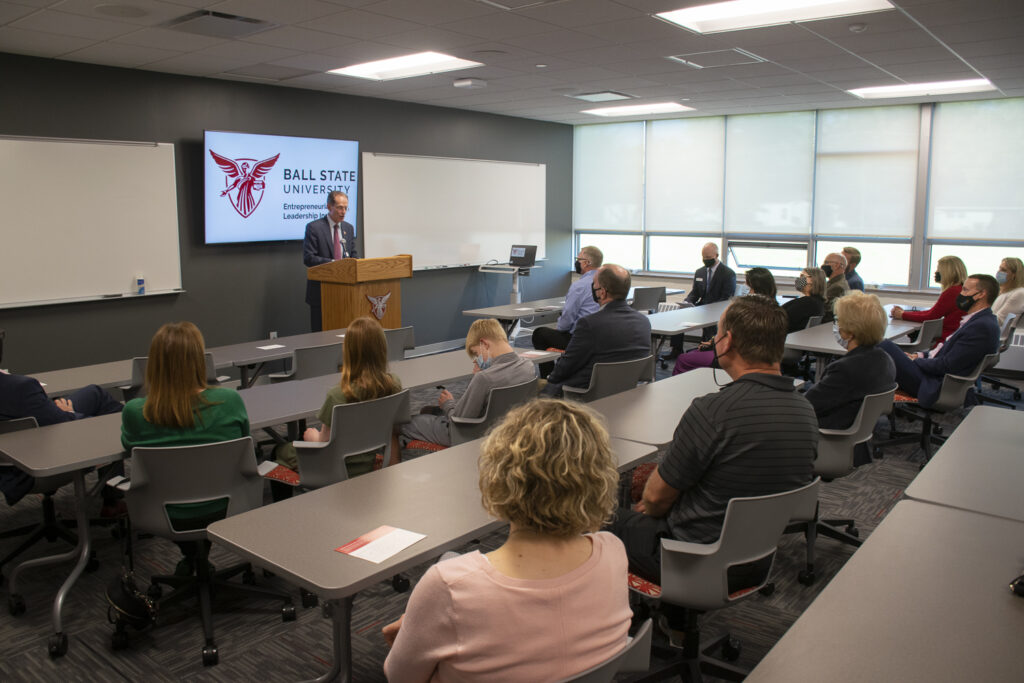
[(350, 271)]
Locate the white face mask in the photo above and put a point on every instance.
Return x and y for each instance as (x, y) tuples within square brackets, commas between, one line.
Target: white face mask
[(845, 343)]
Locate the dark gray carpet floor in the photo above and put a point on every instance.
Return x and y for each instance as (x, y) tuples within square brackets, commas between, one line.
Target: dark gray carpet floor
[(255, 645)]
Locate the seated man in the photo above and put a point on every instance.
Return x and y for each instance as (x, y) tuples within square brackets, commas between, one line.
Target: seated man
[(614, 333), (921, 374), (713, 282), (834, 267), (495, 365), (578, 303), (756, 436), (853, 278), (22, 396)]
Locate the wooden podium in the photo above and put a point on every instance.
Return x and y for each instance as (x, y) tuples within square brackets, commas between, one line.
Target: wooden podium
[(354, 287)]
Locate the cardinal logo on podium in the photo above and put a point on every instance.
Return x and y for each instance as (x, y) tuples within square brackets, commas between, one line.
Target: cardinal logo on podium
[(243, 181), (379, 304)]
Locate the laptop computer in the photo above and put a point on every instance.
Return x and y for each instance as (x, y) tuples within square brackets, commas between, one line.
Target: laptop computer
[(523, 255)]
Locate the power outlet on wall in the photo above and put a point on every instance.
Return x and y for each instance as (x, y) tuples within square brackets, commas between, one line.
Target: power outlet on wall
[(273, 334)]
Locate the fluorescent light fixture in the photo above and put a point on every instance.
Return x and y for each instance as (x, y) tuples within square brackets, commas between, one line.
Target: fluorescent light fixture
[(638, 109), (741, 14), (603, 96), (419, 64), (918, 89)]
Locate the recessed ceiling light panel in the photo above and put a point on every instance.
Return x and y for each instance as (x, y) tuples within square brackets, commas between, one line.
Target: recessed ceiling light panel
[(603, 96), (741, 14), (407, 66), (639, 109), (921, 89)]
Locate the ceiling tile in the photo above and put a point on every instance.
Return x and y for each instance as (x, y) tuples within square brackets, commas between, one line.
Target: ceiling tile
[(156, 12), (360, 24), (168, 40), (290, 12), (246, 53), (269, 72), (295, 38), (119, 54), (310, 62), (640, 29), (499, 26), (575, 13), (431, 13), (23, 42), (10, 12), (429, 38), (555, 42), (65, 24), (196, 64)]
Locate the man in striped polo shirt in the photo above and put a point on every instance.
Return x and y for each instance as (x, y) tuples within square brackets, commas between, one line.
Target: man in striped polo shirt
[(755, 437)]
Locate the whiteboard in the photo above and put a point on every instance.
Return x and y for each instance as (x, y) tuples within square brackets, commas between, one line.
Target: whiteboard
[(82, 218), (451, 212)]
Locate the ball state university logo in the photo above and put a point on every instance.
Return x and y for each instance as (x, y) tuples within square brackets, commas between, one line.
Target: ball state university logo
[(379, 304), (244, 181)]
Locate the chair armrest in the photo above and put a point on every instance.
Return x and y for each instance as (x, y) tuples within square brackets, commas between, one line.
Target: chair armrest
[(574, 390), (120, 483), (836, 432), (688, 547), (310, 445), (466, 420)]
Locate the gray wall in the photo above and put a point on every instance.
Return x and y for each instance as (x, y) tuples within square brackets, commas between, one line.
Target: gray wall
[(241, 292)]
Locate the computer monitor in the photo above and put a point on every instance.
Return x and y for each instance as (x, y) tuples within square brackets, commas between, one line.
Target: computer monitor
[(523, 255)]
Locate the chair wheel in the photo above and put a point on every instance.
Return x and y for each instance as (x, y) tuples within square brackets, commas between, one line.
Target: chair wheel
[(308, 599), (731, 649), (16, 605), (853, 531), (400, 583), (154, 591), (288, 612), (806, 577), (210, 656), (248, 577), (767, 589), (119, 640), (57, 645)]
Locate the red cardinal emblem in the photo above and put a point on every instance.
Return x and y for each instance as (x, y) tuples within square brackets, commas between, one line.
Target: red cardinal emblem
[(243, 180)]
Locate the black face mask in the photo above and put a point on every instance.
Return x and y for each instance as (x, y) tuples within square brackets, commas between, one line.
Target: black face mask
[(708, 262), (827, 269), (593, 293), (964, 302), (938, 278), (578, 266)]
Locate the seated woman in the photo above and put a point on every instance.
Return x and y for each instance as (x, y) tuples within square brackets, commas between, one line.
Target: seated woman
[(811, 284), (865, 369), (759, 281), (364, 377), (552, 601), (179, 409), (1011, 289), (950, 275)]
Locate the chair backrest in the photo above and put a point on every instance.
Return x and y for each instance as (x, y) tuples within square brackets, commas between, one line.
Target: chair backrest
[(836, 446), (954, 387), (177, 490), (929, 331), (696, 575), (17, 424), (500, 400), (611, 378), (813, 321), (316, 361), (1006, 334), (646, 299), (356, 428), (634, 656), (399, 339), (138, 383)]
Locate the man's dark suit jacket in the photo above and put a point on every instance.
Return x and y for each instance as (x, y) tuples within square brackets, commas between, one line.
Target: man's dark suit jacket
[(22, 396), (614, 333), (838, 395), (721, 287), (318, 247), (959, 355)]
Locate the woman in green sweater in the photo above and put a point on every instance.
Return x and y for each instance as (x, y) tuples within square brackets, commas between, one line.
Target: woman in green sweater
[(179, 409)]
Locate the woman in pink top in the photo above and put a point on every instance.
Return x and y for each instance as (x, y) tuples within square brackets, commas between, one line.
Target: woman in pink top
[(552, 601), (951, 274)]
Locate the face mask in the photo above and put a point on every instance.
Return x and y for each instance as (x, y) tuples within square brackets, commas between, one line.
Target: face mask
[(483, 363), (938, 277), (708, 262), (964, 302), (1001, 277), (845, 343), (800, 283), (593, 293), (827, 269), (578, 266)]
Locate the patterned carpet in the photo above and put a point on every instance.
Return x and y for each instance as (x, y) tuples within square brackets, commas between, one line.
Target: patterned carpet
[(254, 644)]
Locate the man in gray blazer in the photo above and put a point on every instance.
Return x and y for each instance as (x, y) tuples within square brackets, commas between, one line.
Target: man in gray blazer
[(327, 239)]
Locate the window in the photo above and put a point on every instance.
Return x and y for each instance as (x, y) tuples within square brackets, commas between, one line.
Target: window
[(978, 259), (608, 176), (669, 253), (685, 163), (882, 264), (625, 250), (783, 259)]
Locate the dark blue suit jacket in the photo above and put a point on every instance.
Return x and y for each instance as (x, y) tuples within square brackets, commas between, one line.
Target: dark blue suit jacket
[(959, 355), (614, 333), (22, 396), (721, 287), (838, 395), (318, 248)]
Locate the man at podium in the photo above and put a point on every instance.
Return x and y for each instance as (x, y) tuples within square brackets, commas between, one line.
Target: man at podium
[(327, 239)]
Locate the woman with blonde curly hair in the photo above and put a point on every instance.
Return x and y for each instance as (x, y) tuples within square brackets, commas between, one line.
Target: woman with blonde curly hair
[(555, 591)]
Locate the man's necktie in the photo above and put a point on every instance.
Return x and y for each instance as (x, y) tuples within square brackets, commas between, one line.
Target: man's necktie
[(337, 242)]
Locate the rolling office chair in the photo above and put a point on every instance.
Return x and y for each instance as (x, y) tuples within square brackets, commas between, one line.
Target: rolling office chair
[(312, 361), (399, 340), (635, 656), (1006, 338), (646, 299), (611, 378), (926, 336), (174, 493), (834, 460), (696, 575)]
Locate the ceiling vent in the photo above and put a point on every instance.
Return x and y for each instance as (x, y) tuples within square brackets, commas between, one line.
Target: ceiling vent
[(715, 58), (219, 25), (513, 5)]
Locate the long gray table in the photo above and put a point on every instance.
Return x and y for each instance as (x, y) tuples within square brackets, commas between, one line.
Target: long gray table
[(436, 495), (980, 468), (683, 320), (924, 599)]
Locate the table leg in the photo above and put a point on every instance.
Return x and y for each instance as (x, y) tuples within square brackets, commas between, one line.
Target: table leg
[(341, 621), (58, 644)]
